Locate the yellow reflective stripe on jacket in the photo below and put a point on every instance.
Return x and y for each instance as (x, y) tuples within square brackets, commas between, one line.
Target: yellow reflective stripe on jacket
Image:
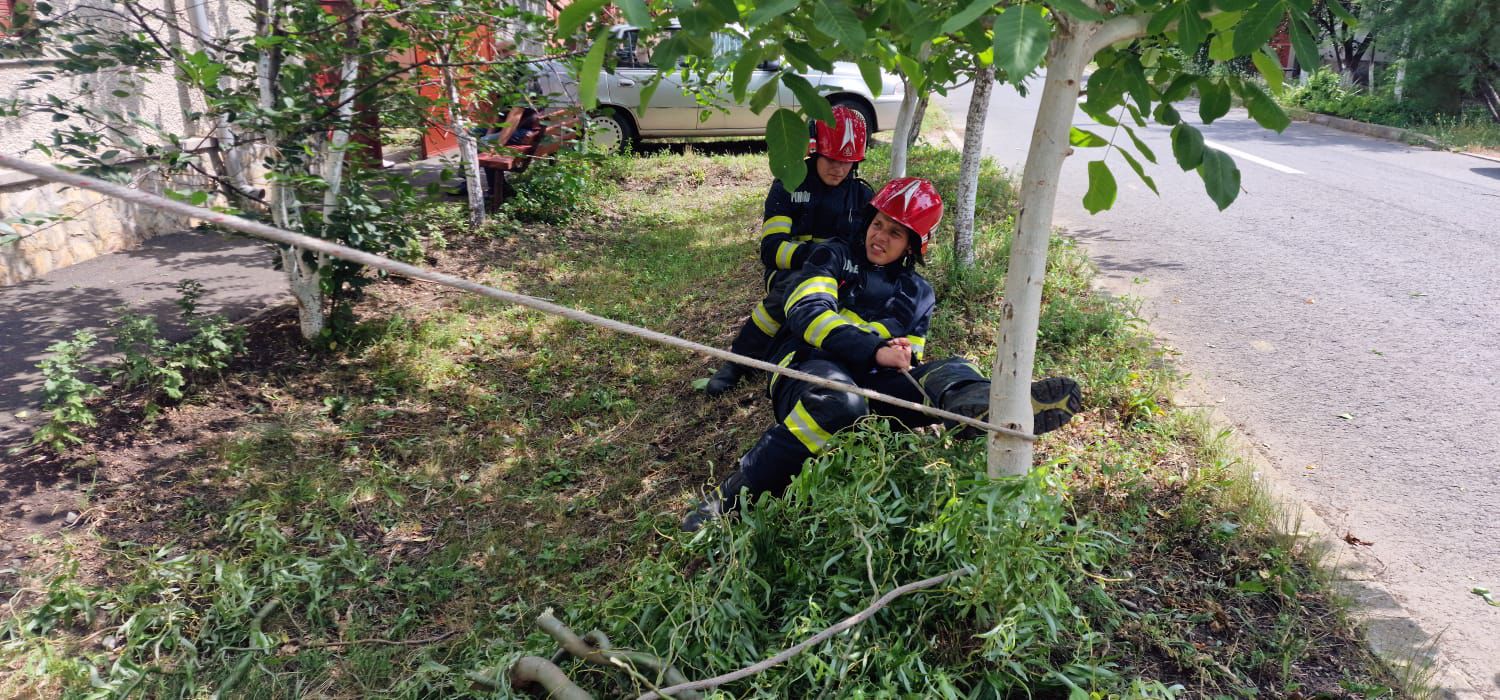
[(785, 361), (806, 430), (818, 330), (784, 254), (776, 224), (810, 286), (857, 320), (763, 320), (918, 345)]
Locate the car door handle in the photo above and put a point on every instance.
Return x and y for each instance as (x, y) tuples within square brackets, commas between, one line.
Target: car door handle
[(626, 82)]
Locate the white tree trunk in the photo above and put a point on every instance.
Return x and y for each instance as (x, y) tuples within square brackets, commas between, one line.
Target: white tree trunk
[(303, 278), (968, 169), (1010, 395), (468, 150), (901, 140), (336, 152)]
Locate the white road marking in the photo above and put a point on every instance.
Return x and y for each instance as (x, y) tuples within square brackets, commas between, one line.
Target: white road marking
[(1253, 159)]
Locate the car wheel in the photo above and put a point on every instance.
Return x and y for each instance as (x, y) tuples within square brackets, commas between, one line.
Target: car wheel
[(611, 132), (858, 106)]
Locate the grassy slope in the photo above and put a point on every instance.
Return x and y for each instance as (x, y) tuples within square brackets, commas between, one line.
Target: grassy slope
[(467, 464)]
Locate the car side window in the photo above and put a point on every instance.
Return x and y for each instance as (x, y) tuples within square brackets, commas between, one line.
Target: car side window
[(631, 52)]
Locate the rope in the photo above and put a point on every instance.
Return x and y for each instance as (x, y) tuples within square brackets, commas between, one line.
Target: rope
[(271, 233)]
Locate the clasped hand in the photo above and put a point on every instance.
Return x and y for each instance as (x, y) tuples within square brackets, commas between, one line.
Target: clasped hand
[(895, 354)]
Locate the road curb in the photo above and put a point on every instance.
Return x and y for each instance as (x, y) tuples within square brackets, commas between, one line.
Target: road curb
[(1390, 630), (1379, 131)]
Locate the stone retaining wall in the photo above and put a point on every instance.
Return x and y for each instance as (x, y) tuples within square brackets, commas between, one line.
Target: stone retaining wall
[(92, 225)]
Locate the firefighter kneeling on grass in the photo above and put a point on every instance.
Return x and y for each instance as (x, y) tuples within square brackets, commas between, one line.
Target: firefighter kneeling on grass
[(858, 312)]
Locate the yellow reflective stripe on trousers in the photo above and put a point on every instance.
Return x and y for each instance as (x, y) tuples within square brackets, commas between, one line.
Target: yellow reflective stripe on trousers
[(818, 330), (763, 320), (784, 254), (810, 286), (785, 361), (806, 430), (918, 346), (776, 224)]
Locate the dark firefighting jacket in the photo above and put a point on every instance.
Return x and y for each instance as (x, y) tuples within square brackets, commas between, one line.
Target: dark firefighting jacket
[(813, 213), (841, 307)]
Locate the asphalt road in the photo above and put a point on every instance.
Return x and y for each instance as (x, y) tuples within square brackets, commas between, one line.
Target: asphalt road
[(1346, 314), (236, 275)]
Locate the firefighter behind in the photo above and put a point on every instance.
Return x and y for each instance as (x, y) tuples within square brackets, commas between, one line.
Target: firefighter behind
[(829, 204)]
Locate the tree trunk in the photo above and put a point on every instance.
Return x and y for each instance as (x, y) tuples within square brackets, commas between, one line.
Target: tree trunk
[(468, 150), (918, 115), (968, 169), (1010, 396), (901, 140), (303, 277)]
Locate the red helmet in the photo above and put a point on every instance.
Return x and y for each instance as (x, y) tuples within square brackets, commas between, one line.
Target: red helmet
[(845, 140), (914, 203)]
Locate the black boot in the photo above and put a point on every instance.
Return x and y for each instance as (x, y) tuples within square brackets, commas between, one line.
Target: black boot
[(1054, 400), (717, 503), (725, 379)]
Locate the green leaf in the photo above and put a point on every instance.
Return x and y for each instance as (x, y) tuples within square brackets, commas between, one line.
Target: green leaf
[(1213, 99), (1233, 5), (1102, 188), (807, 54), (814, 104), (1021, 36), (744, 70), (635, 12), (1076, 8), (786, 143), (764, 95), (575, 14), (1221, 177), (1166, 114), (1140, 145), (1343, 13), (647, 92), (1085, 139), (1263, 109), (1303, 44), (588, 73), (700, 384), (870, 69), (771, 10), (1187, 146), (966, 16), (1192, 29), (1221, 47), (1139, 171), (835, 19), (1258, 26), (1270, 69), (726, 10)]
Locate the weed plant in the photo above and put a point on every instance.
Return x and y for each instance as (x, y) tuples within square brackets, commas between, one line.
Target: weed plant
[(66, 392)]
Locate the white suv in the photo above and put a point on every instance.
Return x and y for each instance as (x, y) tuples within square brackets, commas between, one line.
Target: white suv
[(676, 110)]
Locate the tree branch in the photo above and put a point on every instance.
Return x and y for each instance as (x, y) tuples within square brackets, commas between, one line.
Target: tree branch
[(1116, 30), (818, 638)]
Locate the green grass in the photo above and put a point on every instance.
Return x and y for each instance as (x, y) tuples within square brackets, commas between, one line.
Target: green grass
[(408, 507)]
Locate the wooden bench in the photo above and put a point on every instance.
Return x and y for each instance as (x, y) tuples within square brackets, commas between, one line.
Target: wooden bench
[(554, 128)]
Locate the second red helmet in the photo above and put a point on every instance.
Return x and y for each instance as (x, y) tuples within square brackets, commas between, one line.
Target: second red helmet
[(845, 140), (914, 203)]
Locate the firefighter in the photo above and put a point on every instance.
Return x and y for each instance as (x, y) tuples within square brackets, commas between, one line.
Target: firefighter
[(859, 314), (830, 203)]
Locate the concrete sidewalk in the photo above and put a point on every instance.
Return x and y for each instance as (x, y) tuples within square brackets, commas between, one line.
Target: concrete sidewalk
[(235, 272)]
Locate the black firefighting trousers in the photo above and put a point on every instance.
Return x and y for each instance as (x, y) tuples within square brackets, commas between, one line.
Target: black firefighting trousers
[(808, 415)]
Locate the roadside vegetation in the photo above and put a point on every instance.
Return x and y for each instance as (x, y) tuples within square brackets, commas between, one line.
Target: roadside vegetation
[(391, 518), (1325, 92)]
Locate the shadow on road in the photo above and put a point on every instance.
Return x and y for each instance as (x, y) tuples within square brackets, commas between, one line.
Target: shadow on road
[(1487, 172), (236, 274)]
